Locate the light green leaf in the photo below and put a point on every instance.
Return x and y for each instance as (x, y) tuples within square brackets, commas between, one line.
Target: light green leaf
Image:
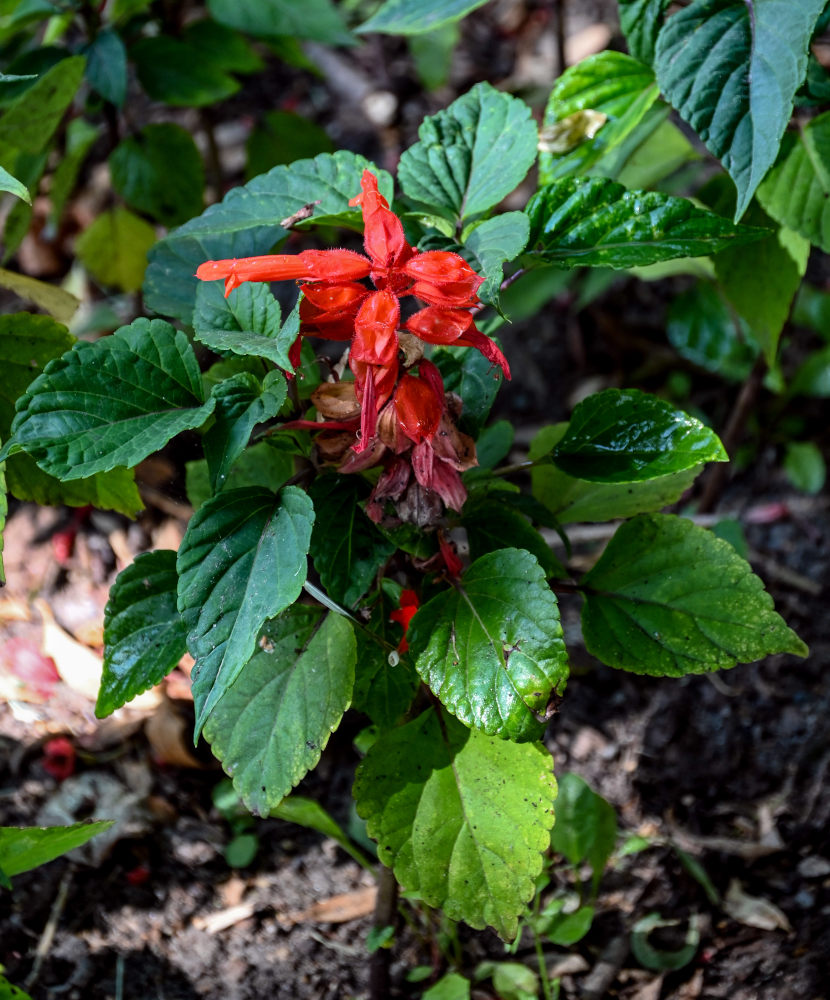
[(573, 500), (813, 377), (668, 598), (242, 402), (27, 343), (247, 322), (319, 20), (461, 817), (471, 155), (432, 54), (413, 17), (242, 561), (25, 847), (660, 153), (159, 172), (732, 70), (114, 490), (14, 186), (112, 402), (7, 991), (144, 635), (586, 825), (114, 248), (310, 814), (640, 21), (493, 243), (271, 725), (627, 436), (451, 986), (595, 222), (176, 73), (106, 66), (56, 301), (30, 121), (805, 466), (796, 192), (702, 329), (609, 84), (247, 222), (491, 648)]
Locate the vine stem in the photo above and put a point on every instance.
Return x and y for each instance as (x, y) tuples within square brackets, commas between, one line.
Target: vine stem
[(386, 907)]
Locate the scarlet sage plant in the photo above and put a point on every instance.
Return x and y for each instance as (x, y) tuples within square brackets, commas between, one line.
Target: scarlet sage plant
[(364, 537)]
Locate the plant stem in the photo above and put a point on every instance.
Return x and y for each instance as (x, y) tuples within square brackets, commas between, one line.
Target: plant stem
[(386, 908), (543, 969)]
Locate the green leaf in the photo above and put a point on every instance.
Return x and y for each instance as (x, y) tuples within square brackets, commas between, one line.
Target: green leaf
[(662, 151), (797, 191), (173, 72), (223, 46), (493, 243), (144, 635), (346, 548), (608, 84), (14, 186), (80, 137), (573, 500), (319, 20), (811, 309), (640, 21), (471, 155), (247, 322), (451, 986), (310, 814), (627, 436), (732, 70), (586, 825), (471, 376), (28, 168), (383, 689), (4, 510), (112, 402), (595, 222), (247, 222), (7, 991), (668, 598), (405, 17), (27, 343), (813, 377), (271, 725), (805, 466), (702, 329), (491, 648), (658, 959), (159, 172), (106, 66), (50, 298), (114, 490), (494, 443), (25, 847), (259, 465), (491, 526), (242, 402), (760, 280), (564, 929), (432, 54), (114, 248), (462, 818), (282, 137), (30, 121), (241, 562)]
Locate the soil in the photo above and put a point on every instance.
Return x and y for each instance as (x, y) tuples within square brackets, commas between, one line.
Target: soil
[(731, 769)]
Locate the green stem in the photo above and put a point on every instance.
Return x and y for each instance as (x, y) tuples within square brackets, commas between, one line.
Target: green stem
[(543, 969)]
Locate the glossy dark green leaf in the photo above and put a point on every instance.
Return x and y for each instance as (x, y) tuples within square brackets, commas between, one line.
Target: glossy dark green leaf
[(272, 724), (586, 825), (668, 598), (462, 818), (494, 443), (247, 322), (413, 17), (702, 329), (594, 222), (159, 172), (30, 121), (640, 21), (732, 69), (627, 436), (106, 66), (242, 402), (320, 20), (492, 526), (346, 547), (173, 72), (241, 562), (247, 222), (471, 155), (491, 648), (471, 376), (25, 847), (144, 635), (112, 402)]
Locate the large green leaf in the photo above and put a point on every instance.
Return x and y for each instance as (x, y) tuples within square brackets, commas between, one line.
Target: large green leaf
[(112, 402), (491, 526), (260, 465), (640, 21), (282, 137), (595, 222), (241, 562), (462, 818), (247, 222), (271, 725), (471, 376), (346, 548), (144, 635), (627, 436), (586, 825), (731, 68), (242, 402), (702, 329), (491, 648), (796, 192), (114, 248), (471, 155), (27, 343), (405, 17), (159, 172), (319, 20), (493, 243), (30, 122), (247, 322), (669, 598), (25, 847), (608, 83), (174, 72), (113, 490), (572, 500)]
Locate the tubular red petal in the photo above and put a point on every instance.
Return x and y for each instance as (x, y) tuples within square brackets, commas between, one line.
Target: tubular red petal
[(384, 239), (376, 329), (439, 326), (310, 265), (329, 310), (448, 295), (418, 408), (445, 271), (430, 373), (334, 265)]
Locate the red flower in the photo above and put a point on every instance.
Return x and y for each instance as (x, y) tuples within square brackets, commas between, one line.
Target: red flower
[(59, 758), (404, 614)]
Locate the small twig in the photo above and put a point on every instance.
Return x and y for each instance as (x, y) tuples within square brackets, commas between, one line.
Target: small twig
[(561, 53), (604, 973), (48, 935), (386, 908)]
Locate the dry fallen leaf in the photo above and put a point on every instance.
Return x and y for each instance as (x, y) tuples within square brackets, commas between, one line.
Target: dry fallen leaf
[(753, 911), (335, 910)]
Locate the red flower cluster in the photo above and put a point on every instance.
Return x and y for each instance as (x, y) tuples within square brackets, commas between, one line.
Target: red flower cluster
[(336, 306), (404, 614)]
